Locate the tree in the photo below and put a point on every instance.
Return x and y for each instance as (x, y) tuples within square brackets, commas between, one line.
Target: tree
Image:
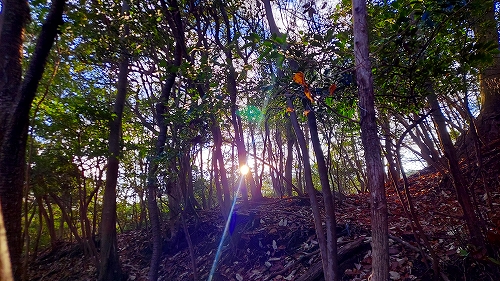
[(322, 239), (371, 143), (16, 96), (452, 163), (5, 266), (173, 17), (110, 264), (485, 26)]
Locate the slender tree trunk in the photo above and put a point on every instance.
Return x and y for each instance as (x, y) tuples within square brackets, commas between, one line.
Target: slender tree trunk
[(152, 185), (49, 217), (110, 268), (220, 170), (38, 234), (270, 156), (15, 104), (67, 218), (456, 175), (290, 140), (393, 174), (279, 146), (332, 271), (371, 143), (410, 210), (258, 184), (310, 189)]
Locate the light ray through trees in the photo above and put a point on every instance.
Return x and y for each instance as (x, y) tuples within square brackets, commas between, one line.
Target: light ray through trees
[(226, 230)]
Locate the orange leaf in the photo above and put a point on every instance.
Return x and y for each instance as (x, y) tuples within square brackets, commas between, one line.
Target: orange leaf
[(306, 112), (308, 94), (299, 78), (332, 89), (289, 109)]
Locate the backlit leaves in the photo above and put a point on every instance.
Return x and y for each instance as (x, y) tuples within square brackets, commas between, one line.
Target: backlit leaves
[(300, 79), (332, 89)]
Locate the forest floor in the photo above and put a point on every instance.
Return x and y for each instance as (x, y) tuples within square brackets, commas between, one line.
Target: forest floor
[(275, 239)]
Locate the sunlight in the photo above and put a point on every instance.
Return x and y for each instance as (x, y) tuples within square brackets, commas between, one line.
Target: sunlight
[(224, 234), (244, 169)]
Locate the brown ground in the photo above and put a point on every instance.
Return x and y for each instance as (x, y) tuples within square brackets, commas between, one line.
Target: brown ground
[(277, 240)]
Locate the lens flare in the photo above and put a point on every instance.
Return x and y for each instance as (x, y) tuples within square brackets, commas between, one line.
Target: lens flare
[(244, 169), (224, 234)]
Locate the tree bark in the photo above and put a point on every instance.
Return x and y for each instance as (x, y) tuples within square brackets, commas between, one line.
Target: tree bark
[(454, 171), (220, 170), (310, 188), (371, 143), (152, 185), (173, 16), (110, 268), (331, 272), (15, 104), (485, 26), (290, 141), (5, 265), (236, 120), (49, 217)]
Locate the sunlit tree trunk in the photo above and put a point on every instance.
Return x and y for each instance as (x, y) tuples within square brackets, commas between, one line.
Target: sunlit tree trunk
[(5, 265), (290, 141), (220, 170), (371, 143)]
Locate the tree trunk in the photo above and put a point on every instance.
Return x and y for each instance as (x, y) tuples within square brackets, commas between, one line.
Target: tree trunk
[(332, 271), (110, 268), (220, 170), (5, 265), (310, 188), (258, 184), (15, 14), (454, 171), (271, 161), (371, 143), (152, 185), (49, 217), (392, 171), (38, 233), (279, 146), (290, 140), (15, 104), (489, 77), (66, 217)]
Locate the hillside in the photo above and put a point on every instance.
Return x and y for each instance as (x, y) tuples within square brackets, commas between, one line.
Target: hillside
[(275, 239)]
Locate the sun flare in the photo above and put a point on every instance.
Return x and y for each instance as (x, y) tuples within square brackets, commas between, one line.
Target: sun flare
[(244, 169)]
